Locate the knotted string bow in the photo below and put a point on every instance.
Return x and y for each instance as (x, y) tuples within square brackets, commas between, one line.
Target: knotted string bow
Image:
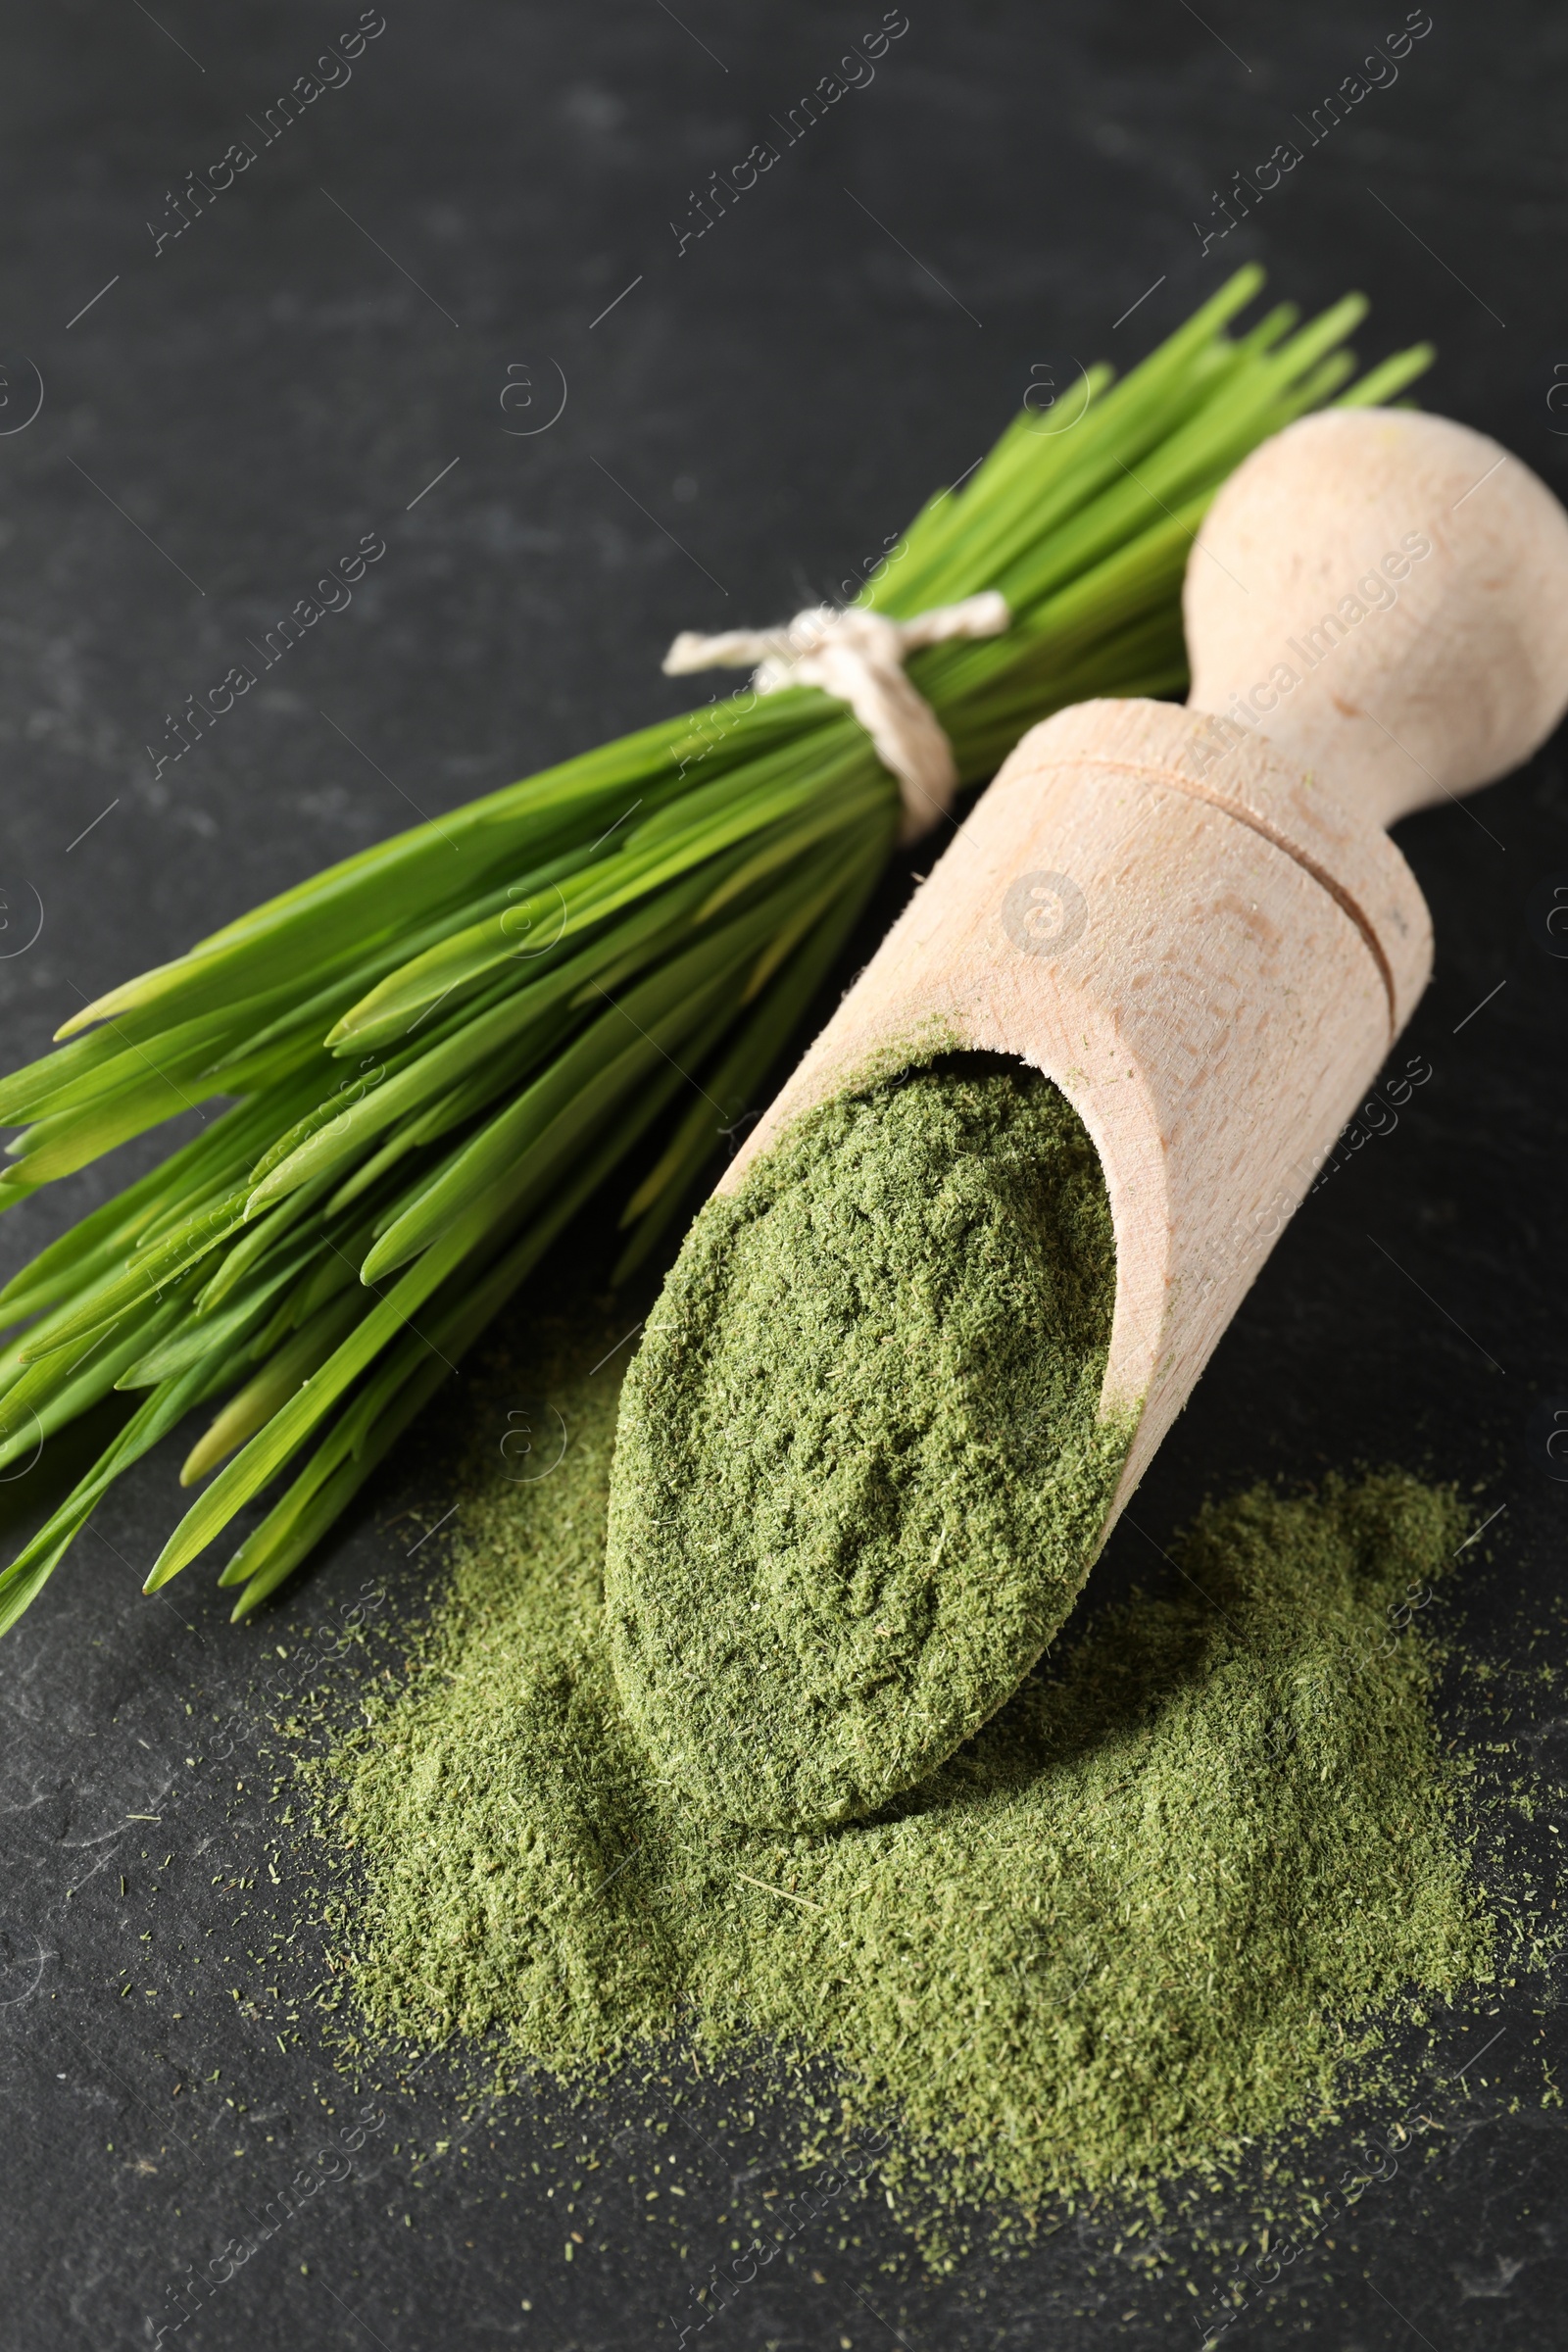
[(859, 656)]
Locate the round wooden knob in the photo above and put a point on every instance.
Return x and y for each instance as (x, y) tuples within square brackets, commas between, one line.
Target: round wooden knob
[(1385, 596)]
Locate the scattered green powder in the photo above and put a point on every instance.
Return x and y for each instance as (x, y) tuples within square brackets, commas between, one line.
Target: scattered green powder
[(1194, 1867), (861, 1475)]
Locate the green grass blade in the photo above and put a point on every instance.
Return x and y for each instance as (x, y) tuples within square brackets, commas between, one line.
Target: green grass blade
[(280, 1379), (158, 1413), (405, 1383), (1386, 381), (727, 1093), (63, 1385)]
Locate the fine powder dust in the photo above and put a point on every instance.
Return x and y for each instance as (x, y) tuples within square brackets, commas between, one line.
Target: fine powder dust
[(861, 1473), (1166, 1900)]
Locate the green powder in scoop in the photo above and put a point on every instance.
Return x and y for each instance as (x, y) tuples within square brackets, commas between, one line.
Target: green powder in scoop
[(861, 1473)]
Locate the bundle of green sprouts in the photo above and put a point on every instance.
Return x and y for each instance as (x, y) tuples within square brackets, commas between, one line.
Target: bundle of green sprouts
[(434, 1055)]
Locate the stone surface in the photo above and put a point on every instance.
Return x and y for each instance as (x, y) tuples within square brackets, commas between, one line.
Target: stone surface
[(403, 286)]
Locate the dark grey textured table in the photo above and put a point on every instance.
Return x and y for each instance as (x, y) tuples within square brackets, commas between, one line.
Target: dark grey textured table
[(370, 331)]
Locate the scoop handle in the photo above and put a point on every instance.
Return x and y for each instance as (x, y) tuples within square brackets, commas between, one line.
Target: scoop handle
[(1193, 920), (1384, 595)]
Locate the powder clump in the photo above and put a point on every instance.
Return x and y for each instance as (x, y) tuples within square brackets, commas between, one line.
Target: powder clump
[(1168, 1899), (861, 1473)]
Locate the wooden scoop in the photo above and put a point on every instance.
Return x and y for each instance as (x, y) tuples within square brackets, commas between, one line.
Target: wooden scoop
[(1192, 920)]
